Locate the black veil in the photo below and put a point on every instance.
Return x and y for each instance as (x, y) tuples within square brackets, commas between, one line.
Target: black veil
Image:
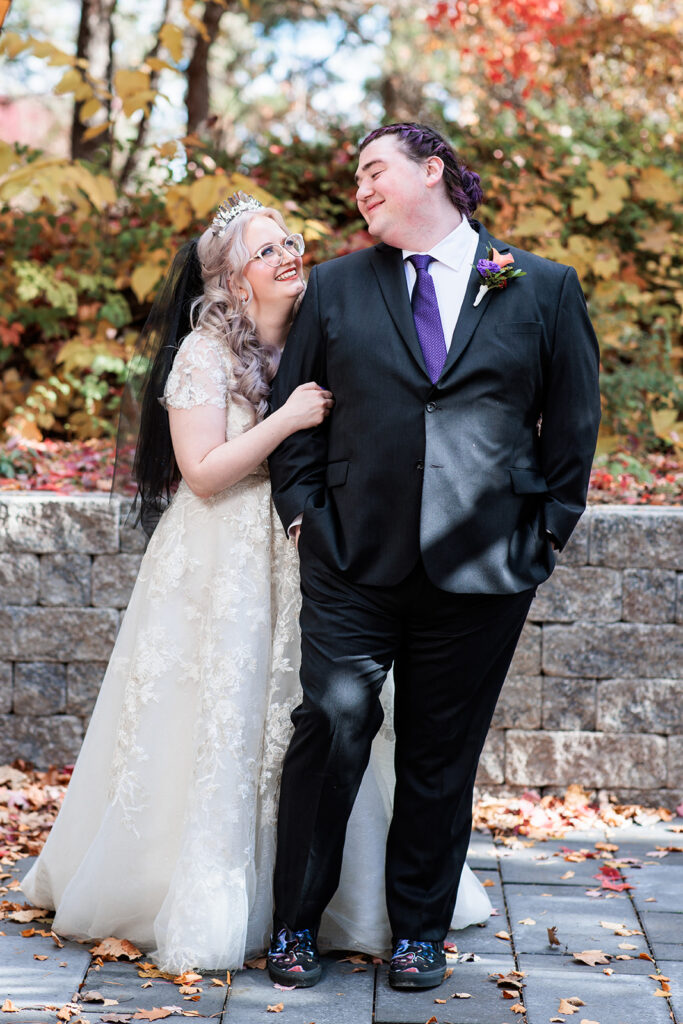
[(145, 468)]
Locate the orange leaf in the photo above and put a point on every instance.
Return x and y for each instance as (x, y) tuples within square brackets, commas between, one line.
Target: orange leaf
[(156, 1013), (278, 1008), (9, 1007), (115, 948)]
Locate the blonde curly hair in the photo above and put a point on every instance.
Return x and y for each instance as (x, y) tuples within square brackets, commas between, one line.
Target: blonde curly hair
[(221, 312)]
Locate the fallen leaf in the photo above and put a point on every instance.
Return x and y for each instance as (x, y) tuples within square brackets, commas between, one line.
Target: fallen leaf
[(67, 1011), (39, 956), (432, 1020), (570, 1005), (552, 936), (284, 988), (116, 948), (440, 1000), (156, 1013), (567, 874), (355, 958), (659, 977), (258, 963), (9, 1007), (624, 956), (24, 916), (449, 971), (488, 883), (461, 995), (147, 984), (57, 941), (278, 1008), (584, 1020), (650, 899), (591, 957), (116, 1018), (187, 978), (503, 935), (527, 920), (608, 970), (517, 1008), (359, 970), (627, 945), (619, 929), (607, 847), (217, 983), (642, 956), (188, 990)]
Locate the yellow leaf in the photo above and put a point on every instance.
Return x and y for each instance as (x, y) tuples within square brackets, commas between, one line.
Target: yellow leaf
[(157, 64), (95, 130), (314, 229), (536, 221), (8, 157), (71, 80), (180, 213), (129, 83), (167, 150), (578, 253), (12, 44), (206, 193), (144, 278), (90, 107), (193, 20), (656, 238), (606, 197), (55, 56), (139, 101), (172, 39), (655, 184)]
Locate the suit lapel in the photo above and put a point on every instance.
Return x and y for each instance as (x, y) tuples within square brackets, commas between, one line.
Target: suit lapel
[(470, 315), (387, 263)]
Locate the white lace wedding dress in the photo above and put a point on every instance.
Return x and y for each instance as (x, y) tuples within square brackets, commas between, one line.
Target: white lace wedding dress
[(167, 833)]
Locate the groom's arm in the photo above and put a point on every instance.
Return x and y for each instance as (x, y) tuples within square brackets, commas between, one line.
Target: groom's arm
[(297, 466), (571, 411)]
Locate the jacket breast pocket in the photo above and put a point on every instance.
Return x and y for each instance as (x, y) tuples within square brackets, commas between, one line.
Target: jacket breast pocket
[(337, 473), (528, 481)]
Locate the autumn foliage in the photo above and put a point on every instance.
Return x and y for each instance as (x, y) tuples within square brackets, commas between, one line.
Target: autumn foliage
[(576, 149)]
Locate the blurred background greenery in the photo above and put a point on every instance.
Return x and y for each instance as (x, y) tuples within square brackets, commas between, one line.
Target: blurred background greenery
[(123, 130)]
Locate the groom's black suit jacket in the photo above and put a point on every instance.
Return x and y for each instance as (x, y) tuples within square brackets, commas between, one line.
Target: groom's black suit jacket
[(458, 473)]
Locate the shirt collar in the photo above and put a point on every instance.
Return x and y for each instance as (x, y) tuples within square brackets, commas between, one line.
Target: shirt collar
[(453, 249)]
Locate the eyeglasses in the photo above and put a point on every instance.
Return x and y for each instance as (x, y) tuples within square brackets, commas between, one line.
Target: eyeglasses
[(275, 253)]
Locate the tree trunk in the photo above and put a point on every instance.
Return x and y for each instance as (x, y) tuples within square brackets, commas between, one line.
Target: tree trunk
[(197, 97), (94, 44)]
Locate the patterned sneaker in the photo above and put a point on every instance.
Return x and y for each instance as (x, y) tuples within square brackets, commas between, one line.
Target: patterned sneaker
[(293, 958), (417, 964)]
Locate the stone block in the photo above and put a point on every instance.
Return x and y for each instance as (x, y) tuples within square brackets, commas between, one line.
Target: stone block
[(59, 634), (54, 739), (113, 578), (636, 538), (640, 705), (492, 761), (675, 763), (39, 688), (65, 579), (613, 649), (5, 687), (83, 681), (568, 703), (86, 524), (669, 798), (649, 595), (18, 579), (592, 758), (527, 657), (519, 704), (575, 551), (131, 538), (571, 594)]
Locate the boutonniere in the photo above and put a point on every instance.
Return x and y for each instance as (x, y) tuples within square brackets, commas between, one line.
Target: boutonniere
[(496, 271)]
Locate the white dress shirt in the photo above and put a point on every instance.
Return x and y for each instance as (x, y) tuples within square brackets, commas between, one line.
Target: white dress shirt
[(453, 260)]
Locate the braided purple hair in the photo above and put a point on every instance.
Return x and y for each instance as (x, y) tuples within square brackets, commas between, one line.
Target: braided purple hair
[(419, 142)]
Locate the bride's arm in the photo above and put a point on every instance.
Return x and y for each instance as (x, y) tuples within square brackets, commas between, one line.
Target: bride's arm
[(209, 463)]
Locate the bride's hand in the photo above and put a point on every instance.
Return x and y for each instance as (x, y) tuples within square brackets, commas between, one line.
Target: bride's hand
[(307, 406)]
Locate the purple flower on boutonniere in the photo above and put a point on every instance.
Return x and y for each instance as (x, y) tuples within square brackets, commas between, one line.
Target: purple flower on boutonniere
[(496, 271)]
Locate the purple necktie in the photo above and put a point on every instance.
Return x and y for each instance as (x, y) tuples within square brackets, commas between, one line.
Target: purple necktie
[(427, 318)]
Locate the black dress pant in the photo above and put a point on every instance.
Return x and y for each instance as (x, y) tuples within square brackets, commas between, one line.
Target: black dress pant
[(450, 653)]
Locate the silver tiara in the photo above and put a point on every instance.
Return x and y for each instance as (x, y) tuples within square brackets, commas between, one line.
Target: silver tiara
[(237, 203)]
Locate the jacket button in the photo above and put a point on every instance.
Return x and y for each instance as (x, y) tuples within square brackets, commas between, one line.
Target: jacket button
[(419, 465), (430, 406)]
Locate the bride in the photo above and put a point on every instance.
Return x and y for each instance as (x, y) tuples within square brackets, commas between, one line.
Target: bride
[(167, 833)]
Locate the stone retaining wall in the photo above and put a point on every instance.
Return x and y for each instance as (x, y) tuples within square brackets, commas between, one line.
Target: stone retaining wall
[(594, 695)]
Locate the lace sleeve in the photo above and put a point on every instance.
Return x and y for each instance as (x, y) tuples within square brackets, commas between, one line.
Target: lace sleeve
[(199, 376)]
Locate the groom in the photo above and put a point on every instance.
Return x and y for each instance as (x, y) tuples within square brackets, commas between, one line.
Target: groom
[(456, 458)]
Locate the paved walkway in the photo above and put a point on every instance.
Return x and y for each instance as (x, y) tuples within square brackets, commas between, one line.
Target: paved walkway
[(533, 888)]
